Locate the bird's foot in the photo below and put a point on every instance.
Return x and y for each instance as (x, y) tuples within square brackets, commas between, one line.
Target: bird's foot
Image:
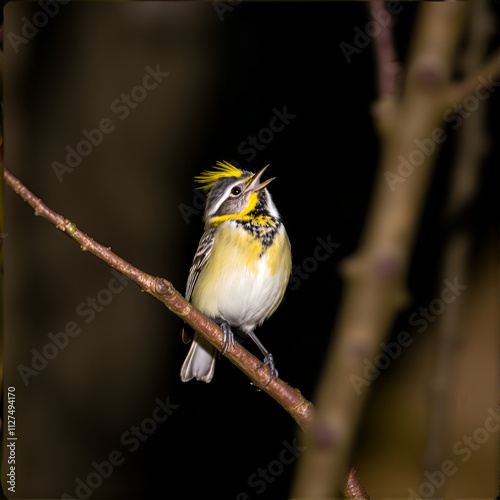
[(269, 361), (228, 340)]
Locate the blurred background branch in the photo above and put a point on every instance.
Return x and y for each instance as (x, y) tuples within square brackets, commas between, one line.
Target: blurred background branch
[(385, 52), (472, 147), (375, 275)]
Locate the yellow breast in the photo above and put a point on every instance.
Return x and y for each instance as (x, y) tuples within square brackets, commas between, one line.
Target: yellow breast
[(243, 279)]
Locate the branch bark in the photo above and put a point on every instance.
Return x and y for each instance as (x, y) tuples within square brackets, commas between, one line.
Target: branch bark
[(375, 275)]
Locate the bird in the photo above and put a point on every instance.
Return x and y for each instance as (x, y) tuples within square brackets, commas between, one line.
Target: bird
[(242, 265)]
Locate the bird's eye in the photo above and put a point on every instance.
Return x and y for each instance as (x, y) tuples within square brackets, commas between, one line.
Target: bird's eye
[(235, 191)]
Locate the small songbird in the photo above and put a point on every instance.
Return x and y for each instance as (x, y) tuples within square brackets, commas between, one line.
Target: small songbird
[(242, 265)]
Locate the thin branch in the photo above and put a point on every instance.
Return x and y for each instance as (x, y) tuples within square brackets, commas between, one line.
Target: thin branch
[(291, 399), (488, 72), (383, 44), (354, 487), (387, 68)]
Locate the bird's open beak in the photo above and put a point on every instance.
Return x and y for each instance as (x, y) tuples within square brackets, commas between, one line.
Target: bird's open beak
[(255, 184)]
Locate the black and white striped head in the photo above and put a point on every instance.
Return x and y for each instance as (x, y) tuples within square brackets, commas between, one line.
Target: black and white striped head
[(233, 192)]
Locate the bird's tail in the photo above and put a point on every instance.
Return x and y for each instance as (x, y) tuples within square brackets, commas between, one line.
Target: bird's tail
[(200, 361)]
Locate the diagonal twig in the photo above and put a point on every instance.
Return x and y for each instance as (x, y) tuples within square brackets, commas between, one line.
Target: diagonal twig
[(290, 398)]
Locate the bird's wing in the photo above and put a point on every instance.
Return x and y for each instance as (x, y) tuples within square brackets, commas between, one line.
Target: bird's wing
[(205, 248)]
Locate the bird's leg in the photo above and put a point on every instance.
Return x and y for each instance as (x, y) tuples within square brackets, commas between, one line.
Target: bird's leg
[(268, 358), (228, 337)]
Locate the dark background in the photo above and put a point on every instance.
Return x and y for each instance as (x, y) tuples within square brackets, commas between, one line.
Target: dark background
[(130, 193)]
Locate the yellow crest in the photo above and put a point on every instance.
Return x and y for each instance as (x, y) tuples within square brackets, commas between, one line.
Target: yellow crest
[(210, 177)]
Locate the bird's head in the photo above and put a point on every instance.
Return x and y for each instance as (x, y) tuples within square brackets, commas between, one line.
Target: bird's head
[(235, 193)]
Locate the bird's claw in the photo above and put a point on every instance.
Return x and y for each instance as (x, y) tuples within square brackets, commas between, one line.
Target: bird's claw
[(228, 339), (269, 361)]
